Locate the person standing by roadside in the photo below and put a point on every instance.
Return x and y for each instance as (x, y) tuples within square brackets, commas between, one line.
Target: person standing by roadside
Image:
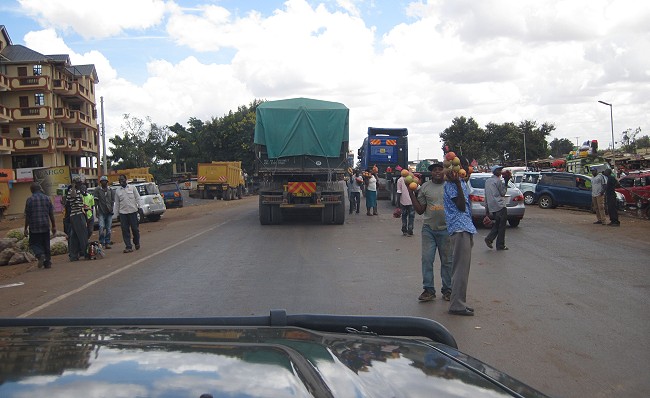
[(495, 204), (610, 196), (429, 201), (371, 193), (354, 191), (39, 214), (105, 199), (127, 201), (598, 184), (405, 204), (89, 204), (78, 228), (461, 230)]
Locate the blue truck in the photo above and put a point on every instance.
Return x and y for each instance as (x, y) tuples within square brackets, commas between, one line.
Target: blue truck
[(385, 148)]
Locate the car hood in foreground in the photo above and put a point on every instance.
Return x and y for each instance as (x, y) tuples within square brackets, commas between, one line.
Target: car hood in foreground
[(183, 361)]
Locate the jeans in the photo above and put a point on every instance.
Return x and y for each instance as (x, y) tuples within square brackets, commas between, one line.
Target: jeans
[(355, 201), (499, 228), (432, 240), (105, 223), (408, 217), (78, 237), (39, 244), (129, 223)]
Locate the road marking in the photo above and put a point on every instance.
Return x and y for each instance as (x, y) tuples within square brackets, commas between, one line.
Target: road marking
[(12, 285), (117, 271)]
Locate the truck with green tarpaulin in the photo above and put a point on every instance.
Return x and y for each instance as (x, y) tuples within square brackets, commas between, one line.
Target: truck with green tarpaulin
[(301, 149)]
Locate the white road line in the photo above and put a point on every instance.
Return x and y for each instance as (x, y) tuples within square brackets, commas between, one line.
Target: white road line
[(117, 271)]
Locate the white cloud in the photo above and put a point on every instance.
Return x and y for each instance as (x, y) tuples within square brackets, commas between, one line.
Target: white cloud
[(494, 60)]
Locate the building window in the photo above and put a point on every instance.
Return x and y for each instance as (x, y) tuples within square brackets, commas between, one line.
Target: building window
[(22, 71), (38, 70), (26, 161), (26, 132), (40, 129), (39, 99)]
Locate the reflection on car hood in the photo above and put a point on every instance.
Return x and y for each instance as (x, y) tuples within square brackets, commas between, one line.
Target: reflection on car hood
[(237, 362)]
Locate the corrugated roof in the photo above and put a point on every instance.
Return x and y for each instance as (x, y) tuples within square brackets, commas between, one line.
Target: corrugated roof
[(84, 70), (60, 58), (19, 53), (6, 35)]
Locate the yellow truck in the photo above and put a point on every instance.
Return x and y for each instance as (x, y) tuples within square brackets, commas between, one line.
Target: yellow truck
[(220, 180), (137, 174)]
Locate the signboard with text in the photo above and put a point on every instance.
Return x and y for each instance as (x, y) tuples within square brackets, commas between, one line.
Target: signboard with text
[(52, 178)]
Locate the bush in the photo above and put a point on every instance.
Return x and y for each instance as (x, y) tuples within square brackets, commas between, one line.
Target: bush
[(16, 234), (58, 248)]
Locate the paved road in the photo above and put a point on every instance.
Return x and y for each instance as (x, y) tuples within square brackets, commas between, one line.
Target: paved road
[(564, 310)]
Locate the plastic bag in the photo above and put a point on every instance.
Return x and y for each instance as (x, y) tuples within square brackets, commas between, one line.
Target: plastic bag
[(397, 213)]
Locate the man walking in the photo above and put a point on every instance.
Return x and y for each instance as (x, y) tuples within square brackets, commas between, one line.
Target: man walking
[(598, 184), (354, 191), (405, 204), (127, 201), (105, 199), (39, 214), (78, 228), (461, 230), (429, 201), (495, 204), (610, 194)]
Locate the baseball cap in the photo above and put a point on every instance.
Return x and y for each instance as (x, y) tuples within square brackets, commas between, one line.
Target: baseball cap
[(495, 168), (434, 165), (103, 178)]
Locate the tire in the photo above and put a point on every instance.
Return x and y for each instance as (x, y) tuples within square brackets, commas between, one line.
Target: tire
[(529, 198), (545, 202), (141, 217), (276, 215), (265, 213), (339, 214), (226, 194), (154, 218), (327, 215), (514, 222)]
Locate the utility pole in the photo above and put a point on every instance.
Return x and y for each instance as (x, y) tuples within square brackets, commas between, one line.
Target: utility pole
[(101, 99), (578, 145)]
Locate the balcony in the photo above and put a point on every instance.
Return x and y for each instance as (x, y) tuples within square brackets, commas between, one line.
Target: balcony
[(5, 114), (33, 144), (72, 90), (78, 146), (29, 83), (32, 114), (89, 173), (6, 146), (78, 119), (4, 83), (62, 143), (61, 113)]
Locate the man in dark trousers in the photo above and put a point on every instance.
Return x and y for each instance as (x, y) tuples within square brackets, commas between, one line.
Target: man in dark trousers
[(127, 202), (610, 196), (78, 229), (495, 204), (39, 214)]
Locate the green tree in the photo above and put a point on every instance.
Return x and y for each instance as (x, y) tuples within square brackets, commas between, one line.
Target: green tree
[(560, 147), (465, 138), (629, 140), (643, 142)]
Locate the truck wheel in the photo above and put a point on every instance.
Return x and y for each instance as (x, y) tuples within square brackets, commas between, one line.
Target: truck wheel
[(226, 194), (265, 213), (339, 214), (327, 215), (276, 215)]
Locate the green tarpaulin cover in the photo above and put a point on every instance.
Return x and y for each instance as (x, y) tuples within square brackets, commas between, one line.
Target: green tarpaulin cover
[(302, 126)]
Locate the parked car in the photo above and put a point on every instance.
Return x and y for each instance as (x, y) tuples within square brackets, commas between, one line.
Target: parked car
[(514, 200), (567, 189), (527, 185), (635, 188), (278, 355), (152, 205), (171, 193)]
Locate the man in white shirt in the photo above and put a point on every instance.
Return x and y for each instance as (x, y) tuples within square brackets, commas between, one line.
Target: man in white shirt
[(406, 205), (127, 201), (598, 183)]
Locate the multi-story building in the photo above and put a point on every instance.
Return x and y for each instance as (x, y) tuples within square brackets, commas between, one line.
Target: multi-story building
[(48, 117)]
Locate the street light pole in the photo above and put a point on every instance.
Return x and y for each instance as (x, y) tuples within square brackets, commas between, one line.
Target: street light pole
[(611, 118), (525, 152)]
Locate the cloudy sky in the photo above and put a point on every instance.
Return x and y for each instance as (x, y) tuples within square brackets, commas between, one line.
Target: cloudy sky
[(394, 63)]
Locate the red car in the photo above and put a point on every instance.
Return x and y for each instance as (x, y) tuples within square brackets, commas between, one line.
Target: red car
[(635, 187)]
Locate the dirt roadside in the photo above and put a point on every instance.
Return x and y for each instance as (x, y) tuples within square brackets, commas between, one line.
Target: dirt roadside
[(195, 210)]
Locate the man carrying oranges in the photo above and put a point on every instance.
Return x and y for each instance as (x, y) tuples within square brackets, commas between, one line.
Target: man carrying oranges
[(428, 200)]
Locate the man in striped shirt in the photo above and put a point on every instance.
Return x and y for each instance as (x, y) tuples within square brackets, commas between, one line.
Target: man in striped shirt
[(78, 230)]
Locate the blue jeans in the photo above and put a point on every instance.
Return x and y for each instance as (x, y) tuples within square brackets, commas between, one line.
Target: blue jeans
[(408, 217), (432, 240), (105, 223)]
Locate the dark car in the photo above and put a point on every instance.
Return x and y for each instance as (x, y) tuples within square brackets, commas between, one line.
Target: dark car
[(566, 189), (278, 355), (172, 194)]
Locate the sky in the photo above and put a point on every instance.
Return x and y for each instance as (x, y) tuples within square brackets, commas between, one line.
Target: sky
[(393, 63)]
